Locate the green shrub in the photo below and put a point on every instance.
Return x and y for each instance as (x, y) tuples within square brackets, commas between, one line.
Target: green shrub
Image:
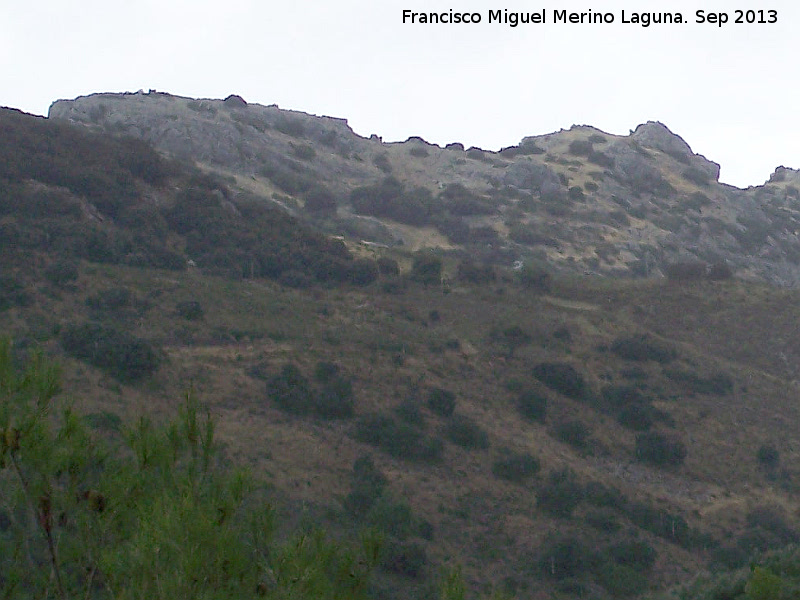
[(622, 581), (442, 402), (768, 456), (642, 347), (404, 558), (696, 176), (382, 162), (120, 354), (515, 466), (110, 299), (580, 147), (637, 555), (290, 390), (597, 494), (575, 433), (391, 517), (62, 272), (388, 267), (566, 557), (561, 494), (603, 520), (408, 410), (719, 384), (304, 151), (426, 269), (563, 378), (465, 432), (659, 449), (398, 439), (191, 310), (418, 152), (532, 405)]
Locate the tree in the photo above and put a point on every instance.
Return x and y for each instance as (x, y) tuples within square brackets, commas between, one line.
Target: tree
[(158, 517)]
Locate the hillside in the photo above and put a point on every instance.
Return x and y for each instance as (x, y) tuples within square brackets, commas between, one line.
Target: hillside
[(579, 199), (556, 433)]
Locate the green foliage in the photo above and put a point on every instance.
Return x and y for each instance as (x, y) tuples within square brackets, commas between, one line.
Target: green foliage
[(563, 378), (474, 273), (367, 485), (561, 494), (534, 277), (465, 432), (642, 347), (768, 456), (62, 272), (460, 201), (120, 354), (110, 299), (408, 558), (382, 162), (331, 398), (660, 449), (390, 199), (512, 338), (427, 269), (160, 519), (532, 405), (718, 384), (696, 176), (398, 439), (516, 466), (763, 584), (442, 402), (191, 310), (575, 433)]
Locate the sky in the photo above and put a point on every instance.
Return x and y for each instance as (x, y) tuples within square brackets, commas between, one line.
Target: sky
[(730, 90)]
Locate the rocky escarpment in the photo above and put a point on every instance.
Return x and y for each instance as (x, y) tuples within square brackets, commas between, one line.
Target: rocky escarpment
[(579, 199)]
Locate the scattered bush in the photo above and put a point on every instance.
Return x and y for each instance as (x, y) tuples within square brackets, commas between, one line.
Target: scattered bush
[(382, 162), (768, 456), (659, 449), (304, 151), (718, 384), (575, 433), (388, 267), (515, 466), (580, 147), (427, 269), (62, 272), (563, 378), (120, 354), (465, 432), (398, 439), (442, 402), (404, 558), (532, 405), (561, 494), (110, 299), (696, 176), (367, 485), (291, 391), (418, 152), (566, 557), (477, 274), (642, 348), (191, 310)]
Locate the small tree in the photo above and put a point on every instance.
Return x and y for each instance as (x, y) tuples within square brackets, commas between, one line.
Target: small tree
[(427, 269)]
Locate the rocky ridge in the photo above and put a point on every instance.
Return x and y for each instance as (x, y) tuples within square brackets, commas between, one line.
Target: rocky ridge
[(578, 199)]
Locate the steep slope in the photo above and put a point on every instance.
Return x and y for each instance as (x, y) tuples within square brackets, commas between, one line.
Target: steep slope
[(579, 199), (563, 434)]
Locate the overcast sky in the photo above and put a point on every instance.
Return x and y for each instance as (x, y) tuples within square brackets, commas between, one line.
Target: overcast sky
[(731, 92)]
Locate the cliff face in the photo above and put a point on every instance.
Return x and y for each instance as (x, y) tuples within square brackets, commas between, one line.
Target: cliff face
[(579, 198)]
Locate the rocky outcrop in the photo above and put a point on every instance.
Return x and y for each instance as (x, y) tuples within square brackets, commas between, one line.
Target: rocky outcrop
[(657, 135)]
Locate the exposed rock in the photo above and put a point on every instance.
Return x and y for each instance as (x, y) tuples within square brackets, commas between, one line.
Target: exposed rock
[(528, 175), (657, 135)]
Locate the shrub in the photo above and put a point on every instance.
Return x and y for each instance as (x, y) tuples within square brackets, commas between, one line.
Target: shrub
[(580, 147), (110, 299), (319, 200), (334, 399), (388, 266), (603, 520), (621, 581), (597, 494), (575, 433), (532, 405), (382, 162), (290, 390), (191, 310), (534, 277), (642, 348), (696, 176), (515, 466), (561, 494), (418, 152), (404, 558), (576, 194), (465, 432), (685, 271), (304, 151), (659, 449), (474, 273), (408, 410), (718, 384), (768, 456), (427, 269), (367, 485), (442, 402), (62, 272), (120, 354), (601, 159), (400, 440), (561, 377), (640, 556), (566, 557)]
